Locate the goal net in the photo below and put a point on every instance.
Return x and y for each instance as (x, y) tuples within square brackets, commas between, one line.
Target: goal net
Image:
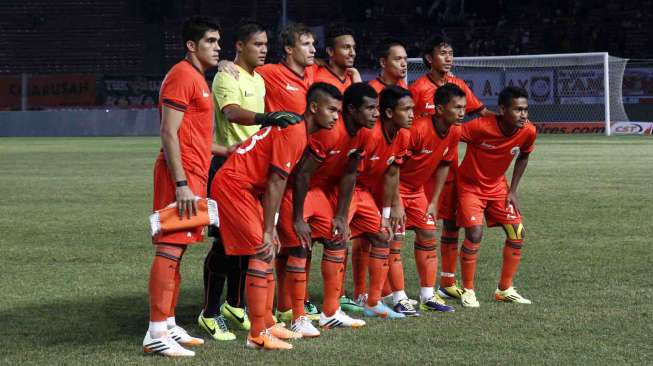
[(566, 91)]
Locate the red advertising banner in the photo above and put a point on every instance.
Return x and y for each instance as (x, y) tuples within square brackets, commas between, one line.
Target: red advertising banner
[(49, 91), (569, 127)]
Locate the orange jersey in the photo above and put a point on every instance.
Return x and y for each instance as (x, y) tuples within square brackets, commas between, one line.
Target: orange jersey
[(185, 89), (379, 85), (333, 148), (489, 154), (324, 74), (423, 90), (425, 152), (272, 148), (285, 90), (378, 153)]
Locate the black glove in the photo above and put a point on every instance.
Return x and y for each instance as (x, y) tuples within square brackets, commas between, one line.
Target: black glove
[(280, 119)]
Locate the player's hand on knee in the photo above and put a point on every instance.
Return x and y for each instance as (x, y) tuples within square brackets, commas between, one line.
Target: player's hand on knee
[(341, 230), (513, 201), (186, 203), (303, 231), (397, 218), (431, 212)]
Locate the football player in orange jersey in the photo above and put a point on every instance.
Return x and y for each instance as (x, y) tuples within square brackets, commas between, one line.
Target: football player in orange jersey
[(393, 60), (483, 190), (180, 175), (339, 70)]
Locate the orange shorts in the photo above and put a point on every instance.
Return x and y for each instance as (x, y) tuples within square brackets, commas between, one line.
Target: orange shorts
[(415, 206), (318, 212), (364, 216), (165, 194), (241, 216), (473, 208), (448, 203)]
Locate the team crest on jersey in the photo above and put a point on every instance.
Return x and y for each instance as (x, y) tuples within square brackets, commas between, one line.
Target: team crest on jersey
[(514, 150)]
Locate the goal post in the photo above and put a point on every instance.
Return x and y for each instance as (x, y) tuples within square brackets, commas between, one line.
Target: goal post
[(582, 90)]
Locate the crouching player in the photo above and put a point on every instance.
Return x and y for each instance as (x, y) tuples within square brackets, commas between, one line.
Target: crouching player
[(317, 207), (433, 144), (483, 191), (248, 189)]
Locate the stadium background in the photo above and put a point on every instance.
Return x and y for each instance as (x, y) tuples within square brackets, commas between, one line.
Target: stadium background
[(102, 61)]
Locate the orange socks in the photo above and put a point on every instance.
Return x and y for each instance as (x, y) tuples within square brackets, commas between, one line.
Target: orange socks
[(360, 258), (449, 256), (378, 272), (164, 282), (396, 267), (269, 303), (511, 258), (256, 283), (295, 284), (468, 263), (284, 301), (344, 272), (427, 262), (332, 275), (308, 274)]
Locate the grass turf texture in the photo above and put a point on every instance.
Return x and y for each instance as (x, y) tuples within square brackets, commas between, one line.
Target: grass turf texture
[(76, 257)]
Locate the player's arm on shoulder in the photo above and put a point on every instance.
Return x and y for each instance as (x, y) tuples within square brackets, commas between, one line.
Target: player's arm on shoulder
[(228, 67), (171, 120), (355, 75)]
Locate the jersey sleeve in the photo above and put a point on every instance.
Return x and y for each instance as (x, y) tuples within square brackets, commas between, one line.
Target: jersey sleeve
[(473, 104), (453, 144), (226, 90), (529, 146), (177, 91), (467, 130), (287, 148), (319, 144)]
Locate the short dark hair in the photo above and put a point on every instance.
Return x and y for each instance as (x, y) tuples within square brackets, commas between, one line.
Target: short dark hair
[(432, 43), (335, 31), (383, 50), (511, 92), (292, 32), (321, 89), (355, 94), (247, 29), (390, 96), (195, 27), (446, 92)]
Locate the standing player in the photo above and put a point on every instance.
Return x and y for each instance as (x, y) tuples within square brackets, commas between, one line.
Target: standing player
[(394, 65), (248, 189), (434, 140), (239, 114), (180, 175), (287, 82), (307, 213), (341, 49), (483, 191), (438, 58)]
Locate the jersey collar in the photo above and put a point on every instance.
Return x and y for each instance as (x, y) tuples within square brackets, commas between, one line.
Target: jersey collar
[(283, 63)]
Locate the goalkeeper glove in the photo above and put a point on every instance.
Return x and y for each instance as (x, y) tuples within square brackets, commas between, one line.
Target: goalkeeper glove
[(280, 119)]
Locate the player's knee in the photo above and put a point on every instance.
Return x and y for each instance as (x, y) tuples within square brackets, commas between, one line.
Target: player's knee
[(450, 225), (474, 234), (514, 231), (425, 235), (172, 252), (379, 241), (334, 245), (265, 253), (298, 252)]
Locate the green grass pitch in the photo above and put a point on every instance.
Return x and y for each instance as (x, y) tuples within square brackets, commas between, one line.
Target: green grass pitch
[(76, 256)]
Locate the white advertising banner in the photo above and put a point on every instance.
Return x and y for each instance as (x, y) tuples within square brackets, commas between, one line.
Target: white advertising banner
[(580, 86), (538, 84), (486, 85), (632, 128)]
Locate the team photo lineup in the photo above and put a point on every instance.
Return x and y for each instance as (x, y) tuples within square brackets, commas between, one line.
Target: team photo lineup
[(273, 159)]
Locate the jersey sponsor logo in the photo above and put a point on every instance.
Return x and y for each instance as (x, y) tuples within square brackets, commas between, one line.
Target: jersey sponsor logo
[(429, 106), (334, 152), (205, 94), (248, 94), (515, 150), (426, 151), (254, 140), (375, 157), (489, 146), (291, 88)]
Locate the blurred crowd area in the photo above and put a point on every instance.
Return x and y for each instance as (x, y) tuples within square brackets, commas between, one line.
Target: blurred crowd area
[(142, 37)]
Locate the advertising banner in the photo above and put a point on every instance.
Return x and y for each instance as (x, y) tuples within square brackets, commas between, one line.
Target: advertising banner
[(44, 91), (580, 86), (130, 92), (632, 128)]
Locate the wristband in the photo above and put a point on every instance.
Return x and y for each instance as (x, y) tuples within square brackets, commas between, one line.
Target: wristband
[(386, 212), (259, 118), (181, 183)]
